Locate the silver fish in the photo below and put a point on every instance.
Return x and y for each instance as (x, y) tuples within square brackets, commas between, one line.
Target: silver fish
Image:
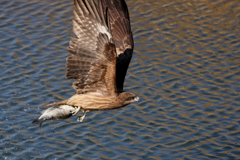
[(57, 113)]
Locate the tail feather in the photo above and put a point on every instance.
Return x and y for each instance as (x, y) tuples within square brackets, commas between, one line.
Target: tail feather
[(64, 102)]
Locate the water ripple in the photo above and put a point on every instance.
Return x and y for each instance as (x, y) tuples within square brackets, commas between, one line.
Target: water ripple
[(185, 69)]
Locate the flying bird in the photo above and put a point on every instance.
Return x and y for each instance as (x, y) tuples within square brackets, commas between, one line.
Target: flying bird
[(99, 58)]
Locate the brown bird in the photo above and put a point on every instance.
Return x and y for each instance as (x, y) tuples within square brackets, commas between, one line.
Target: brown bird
[(100, 55)]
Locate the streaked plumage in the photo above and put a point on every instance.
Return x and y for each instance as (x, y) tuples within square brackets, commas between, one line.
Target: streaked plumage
[(100, 55)]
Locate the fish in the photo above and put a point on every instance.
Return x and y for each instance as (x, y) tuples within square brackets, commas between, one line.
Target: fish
[(59, 112)]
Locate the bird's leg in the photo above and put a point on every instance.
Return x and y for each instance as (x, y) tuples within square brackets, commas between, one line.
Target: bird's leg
[(77, 110), (80, 119)]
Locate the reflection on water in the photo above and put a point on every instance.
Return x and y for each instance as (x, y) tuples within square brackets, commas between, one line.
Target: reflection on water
[(185, 69)]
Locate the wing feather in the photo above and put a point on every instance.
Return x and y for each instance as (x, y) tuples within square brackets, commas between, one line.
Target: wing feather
[(102, 30), (122, 36), (90, 63)]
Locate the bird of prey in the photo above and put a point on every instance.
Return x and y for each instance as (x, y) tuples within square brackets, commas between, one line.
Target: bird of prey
[(99, 58)]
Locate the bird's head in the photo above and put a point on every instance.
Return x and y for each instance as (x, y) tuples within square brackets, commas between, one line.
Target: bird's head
[(128, 98)]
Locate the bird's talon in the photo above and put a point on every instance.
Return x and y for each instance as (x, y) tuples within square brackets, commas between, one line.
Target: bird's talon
[(76, 111), (80, 119)]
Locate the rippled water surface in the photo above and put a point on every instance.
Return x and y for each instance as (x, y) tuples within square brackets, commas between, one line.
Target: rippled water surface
[(185, 69)]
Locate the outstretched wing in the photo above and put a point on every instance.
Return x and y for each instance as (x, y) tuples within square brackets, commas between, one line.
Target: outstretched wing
[(122, 36), (93, 56)]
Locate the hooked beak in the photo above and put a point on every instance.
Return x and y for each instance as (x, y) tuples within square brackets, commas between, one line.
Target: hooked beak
[(137, 99)]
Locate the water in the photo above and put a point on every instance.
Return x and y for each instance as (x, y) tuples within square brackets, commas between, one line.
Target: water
[(185, 68)]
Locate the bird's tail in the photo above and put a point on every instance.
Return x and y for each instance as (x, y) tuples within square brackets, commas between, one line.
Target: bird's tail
[(57, 103)]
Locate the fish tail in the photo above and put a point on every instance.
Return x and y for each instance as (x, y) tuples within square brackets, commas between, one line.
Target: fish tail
[(38, 121)]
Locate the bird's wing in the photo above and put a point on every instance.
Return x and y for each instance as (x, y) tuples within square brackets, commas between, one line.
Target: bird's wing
[(122, 36), (92, 62)]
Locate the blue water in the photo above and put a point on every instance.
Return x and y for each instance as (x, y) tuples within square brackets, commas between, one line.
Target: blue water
[(185, 68)]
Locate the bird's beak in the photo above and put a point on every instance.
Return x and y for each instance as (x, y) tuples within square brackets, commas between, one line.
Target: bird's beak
[(137, 99)]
